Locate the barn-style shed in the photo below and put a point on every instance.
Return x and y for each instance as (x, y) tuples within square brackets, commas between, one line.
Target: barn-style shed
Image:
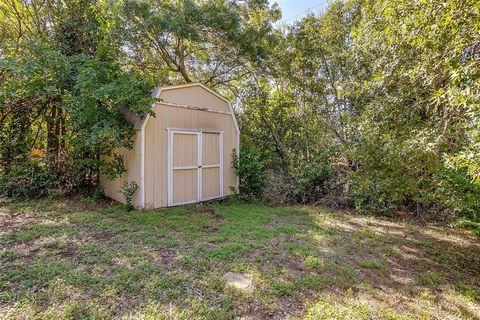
[(183, 154)]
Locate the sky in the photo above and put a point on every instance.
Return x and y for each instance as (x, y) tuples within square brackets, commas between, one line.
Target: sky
[(292, 8)]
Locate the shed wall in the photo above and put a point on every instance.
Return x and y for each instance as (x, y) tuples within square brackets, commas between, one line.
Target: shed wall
[(132, 163)]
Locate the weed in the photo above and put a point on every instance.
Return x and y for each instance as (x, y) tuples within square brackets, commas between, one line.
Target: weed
[(468, 291), (431, 279), (370, 264)]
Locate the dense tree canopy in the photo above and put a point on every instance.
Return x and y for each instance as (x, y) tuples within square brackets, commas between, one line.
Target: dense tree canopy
[(372, 104)]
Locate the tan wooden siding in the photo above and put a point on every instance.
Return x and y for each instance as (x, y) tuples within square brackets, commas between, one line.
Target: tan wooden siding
[(132, 165)]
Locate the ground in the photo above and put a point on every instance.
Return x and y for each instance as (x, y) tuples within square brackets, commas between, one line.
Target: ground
[(75, 259)]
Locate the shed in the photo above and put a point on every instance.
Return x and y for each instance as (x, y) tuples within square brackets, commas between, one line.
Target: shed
[(183, 154)]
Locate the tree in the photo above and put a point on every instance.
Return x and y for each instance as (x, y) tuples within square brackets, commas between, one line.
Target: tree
[(423, 101), (213, 42), (62, 92)]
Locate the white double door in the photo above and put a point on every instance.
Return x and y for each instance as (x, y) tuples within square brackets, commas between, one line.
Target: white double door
[(195, 166)]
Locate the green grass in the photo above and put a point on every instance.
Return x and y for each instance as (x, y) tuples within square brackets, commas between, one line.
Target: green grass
[(431, 278), (350, 310), (366, 264), (36, 231), (79, 260)]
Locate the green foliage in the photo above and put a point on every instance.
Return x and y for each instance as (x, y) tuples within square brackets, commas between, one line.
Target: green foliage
[(311, 176), (456, 192), (96, 122), (421, 109), (250, 171), (128, 190), (206, 41), (30, 179), (392, 89), (69, 109)]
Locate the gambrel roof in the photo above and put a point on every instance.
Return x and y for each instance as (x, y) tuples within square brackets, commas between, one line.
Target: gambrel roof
[(139, 121)]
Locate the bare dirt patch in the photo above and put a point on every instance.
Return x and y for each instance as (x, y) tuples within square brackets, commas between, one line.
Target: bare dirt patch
[(208, 212)]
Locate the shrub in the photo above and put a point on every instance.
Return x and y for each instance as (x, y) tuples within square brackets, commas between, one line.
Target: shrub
[(250, 171), (310, 176), (456, 193), (277, 188), (30, 179), (128, 190), (375, 192)]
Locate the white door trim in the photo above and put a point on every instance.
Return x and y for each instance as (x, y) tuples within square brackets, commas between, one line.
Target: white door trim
[(202, 130), (170, 169)]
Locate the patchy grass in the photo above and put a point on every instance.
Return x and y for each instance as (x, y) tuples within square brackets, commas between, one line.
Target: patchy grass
[(75, 260)]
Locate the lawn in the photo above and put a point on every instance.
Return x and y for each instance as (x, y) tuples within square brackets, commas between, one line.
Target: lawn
[(78, 260)]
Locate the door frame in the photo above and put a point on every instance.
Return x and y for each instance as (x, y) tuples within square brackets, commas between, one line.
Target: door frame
[(171, 168)]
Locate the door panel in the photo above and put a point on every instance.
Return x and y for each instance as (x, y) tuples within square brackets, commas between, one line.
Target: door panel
[(211, 165), (210, 183), (185, 150), (185, 185), (211, 149), (185, 167)]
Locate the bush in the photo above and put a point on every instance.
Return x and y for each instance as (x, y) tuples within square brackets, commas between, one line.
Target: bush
[(307, 180), (128, 190), (456, 193), (250, 171), (277, 188), (376, 192), (30, 179), (310, 176), (444, 190)]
